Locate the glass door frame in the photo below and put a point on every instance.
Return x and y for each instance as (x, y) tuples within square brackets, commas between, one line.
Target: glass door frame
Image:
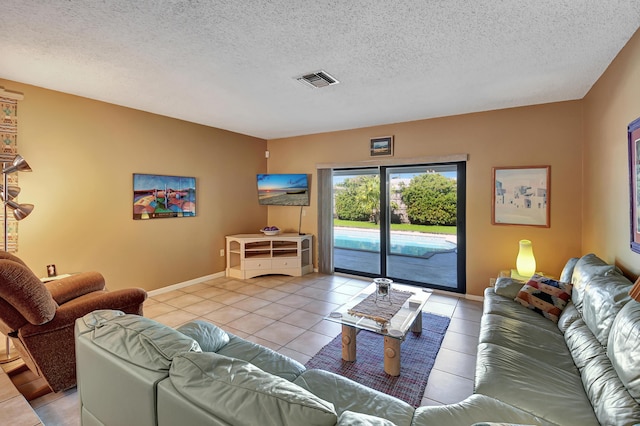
[(385, 224)]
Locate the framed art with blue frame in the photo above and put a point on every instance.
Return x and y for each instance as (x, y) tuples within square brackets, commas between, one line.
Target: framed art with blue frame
[(633, 132)]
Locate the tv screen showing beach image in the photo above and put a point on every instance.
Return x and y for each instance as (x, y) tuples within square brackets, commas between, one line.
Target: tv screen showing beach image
[(283, 189)]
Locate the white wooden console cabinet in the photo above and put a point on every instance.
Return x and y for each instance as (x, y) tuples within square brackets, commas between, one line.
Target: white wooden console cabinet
[(251, 255)]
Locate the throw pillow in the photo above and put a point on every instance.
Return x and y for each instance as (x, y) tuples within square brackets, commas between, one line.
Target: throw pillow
[(546, 296)]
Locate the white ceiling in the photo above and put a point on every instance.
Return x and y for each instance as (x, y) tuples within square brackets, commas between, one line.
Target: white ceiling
[(232, 64)]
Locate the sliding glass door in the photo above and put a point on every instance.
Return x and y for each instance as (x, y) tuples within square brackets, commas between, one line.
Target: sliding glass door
[(405, 223), (356, 225)]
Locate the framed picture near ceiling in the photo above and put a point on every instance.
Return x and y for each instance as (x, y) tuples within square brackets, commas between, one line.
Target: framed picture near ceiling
[(633, 131), (381, 147), (521, 196), (160, 196)]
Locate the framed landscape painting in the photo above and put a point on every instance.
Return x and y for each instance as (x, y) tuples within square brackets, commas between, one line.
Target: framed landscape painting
[(634, 182), (381, 147), (159, 196), (521, 196)]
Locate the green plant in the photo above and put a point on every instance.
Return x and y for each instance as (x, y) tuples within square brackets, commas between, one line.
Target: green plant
[(358, 199), (431, 199)]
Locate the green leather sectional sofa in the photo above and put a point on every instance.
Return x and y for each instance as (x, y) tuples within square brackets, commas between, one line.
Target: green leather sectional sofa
[(582, 370), (133, 370)]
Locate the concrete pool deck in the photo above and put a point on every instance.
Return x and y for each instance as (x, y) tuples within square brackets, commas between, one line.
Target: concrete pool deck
[(440, 269)]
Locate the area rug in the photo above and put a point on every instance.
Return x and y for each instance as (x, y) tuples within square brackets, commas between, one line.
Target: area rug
[(418, 354)]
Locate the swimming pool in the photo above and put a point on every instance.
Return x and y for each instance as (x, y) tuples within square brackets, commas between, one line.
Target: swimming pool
[(409, 244)]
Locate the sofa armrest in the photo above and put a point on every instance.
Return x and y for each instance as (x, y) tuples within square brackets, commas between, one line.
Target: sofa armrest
[(508, 287), (53, 343), (347, 395), (476, 408), (127, 300), (262, 357), (74, 286)]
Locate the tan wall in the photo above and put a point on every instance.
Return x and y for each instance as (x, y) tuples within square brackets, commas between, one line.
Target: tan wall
[(83, 154), (609, 107), (539, 135)]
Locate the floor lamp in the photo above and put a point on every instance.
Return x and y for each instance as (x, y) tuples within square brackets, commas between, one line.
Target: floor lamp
[(20, 211)]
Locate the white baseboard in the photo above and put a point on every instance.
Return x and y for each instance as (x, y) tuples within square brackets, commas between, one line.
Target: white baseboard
[(184, 284), (445, 292), (474, 297)]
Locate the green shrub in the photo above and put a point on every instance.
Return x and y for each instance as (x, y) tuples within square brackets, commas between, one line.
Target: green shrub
[(431, 199), (358, 198)]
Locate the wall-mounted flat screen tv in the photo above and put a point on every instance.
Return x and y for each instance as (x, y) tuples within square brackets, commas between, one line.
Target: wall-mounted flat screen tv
[(283, 189)]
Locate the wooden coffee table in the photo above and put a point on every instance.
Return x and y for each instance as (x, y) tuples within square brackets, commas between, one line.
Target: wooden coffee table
[(408, 318)]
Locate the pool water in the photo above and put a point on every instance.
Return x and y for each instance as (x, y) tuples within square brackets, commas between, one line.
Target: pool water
[(414, 244)]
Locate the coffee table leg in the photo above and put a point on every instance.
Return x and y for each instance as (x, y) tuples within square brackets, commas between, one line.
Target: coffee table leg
[(392, 356), (416, 327), (348, 343)]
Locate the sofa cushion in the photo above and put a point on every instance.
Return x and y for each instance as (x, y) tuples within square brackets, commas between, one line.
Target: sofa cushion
[(507, 307), (582, 343), (499, 424), (546, 345), (240, 393), (611, 401), (347, 395), (624, 351), (624, 347), (546, 296), (264, 358), (472, 410), (602, 300), (588, 267), (567, 271), (533, 385), (351, 418), (209, 336), (138, 340), (568, 317)]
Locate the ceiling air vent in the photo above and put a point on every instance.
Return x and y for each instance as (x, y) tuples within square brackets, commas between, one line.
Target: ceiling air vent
[(318, 79)]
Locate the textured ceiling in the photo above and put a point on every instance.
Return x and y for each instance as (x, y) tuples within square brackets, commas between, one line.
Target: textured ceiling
[(232, 64)]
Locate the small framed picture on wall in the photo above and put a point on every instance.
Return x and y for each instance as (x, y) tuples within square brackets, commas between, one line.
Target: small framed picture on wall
[(381, 147)]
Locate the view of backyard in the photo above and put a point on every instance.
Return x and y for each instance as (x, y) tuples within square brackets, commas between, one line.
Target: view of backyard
[(430, 229), (420, 228)]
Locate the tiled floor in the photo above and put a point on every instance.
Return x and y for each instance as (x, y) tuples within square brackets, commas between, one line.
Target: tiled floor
[(286, 314), (13, 406)]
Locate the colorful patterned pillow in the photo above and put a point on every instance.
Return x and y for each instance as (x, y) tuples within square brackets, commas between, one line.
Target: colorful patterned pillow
[(545, 296)]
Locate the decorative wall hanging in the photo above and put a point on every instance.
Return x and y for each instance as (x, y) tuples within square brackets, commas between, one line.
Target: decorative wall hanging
[(521, 196), (633, 131), (11, 162), (381, 147), (159, 196)]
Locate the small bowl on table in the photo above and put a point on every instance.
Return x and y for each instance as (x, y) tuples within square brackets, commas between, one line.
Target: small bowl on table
[(270, 232)]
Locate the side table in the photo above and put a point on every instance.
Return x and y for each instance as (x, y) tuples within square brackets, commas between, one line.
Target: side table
[(56, 277), (7, 356)]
